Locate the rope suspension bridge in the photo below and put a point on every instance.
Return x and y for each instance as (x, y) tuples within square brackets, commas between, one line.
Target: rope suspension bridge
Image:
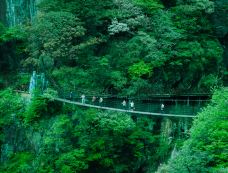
[(115, 105), (122, 110), (142, 107)]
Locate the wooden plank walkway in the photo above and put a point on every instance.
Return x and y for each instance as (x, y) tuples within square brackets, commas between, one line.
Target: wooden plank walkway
[(122, 110)]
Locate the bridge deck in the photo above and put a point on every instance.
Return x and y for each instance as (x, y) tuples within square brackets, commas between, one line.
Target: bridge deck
[(113, 109), (122, 110)]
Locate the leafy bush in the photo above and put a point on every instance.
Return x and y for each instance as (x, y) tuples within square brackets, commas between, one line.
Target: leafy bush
[(206, 150), (20, 162), (10, 105), (36, 109), (73, 161)]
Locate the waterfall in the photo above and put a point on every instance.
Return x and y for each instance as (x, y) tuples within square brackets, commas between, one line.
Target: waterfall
[(37, 82), (174, 152), (10, 12), (19, 11), (32, 84)]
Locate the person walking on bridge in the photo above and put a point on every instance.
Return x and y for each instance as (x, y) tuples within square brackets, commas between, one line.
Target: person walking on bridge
[(93, 99), (162, 107), (100, 101), (83, 98), (71, 95), (124, 104), (132, 106)]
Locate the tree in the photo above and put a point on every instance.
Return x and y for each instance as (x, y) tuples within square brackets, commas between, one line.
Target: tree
[(149, 5), (20, 162), (13, 47), (11, 108), (10, 105), (205, 150), (112, 142), (72, 161), (55, 39)]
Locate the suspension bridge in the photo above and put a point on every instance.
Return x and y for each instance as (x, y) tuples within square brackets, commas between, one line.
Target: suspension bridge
[(122, 110), (111, 105), (143, 107)]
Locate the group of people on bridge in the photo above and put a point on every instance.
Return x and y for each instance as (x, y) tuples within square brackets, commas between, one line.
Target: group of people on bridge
[(131, 105), (83, 99), (127, 105)]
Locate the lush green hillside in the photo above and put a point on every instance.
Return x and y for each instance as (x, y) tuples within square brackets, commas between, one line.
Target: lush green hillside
[(122, 47), (46, 136), (206, 149)]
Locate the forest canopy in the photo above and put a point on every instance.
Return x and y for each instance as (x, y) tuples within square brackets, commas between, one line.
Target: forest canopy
[(119, 49), (168, 43)]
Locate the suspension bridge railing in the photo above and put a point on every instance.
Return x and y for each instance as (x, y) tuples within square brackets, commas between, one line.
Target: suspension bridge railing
[(123, 110), (73, 96), (140, 108)]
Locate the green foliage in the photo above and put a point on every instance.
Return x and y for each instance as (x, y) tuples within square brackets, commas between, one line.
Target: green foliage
[(209, 82), (87, 38), (149, 5), (129, 47), (20, 162), (58, 33), (118, 80), (10, 105), (13, 33), (137, 87), (205, 151), (50, 94), (2, 29), (72, 78), (93, 12), (117, 27), (139, 69), (12, 47), (36, 110), (22, 81), (72, 161), (106, 136), (40, 108), (89, 141), (58, 137)]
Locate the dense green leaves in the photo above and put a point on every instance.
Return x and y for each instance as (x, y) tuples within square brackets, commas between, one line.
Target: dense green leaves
[(150, 5), (133, 39), (12, 47), (10, 105), (88, 141), (72, 162), (206, 150), (20, 162), (127, 47), (113, 142), (139, 69), (54, 38), (88, 37)]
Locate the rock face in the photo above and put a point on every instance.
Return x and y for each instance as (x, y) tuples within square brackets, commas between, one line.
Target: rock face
[(13, 12)]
